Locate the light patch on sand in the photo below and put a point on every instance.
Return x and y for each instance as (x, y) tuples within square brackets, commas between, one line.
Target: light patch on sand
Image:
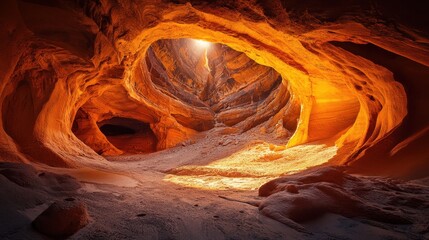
[(251, 167)]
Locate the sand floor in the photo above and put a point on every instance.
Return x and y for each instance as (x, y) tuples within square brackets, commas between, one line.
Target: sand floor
[(202, 190)]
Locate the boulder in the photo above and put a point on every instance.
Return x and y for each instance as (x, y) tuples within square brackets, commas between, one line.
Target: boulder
[(62, 218)]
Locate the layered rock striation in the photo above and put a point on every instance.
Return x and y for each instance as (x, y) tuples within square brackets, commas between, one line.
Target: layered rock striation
[(69, 66)]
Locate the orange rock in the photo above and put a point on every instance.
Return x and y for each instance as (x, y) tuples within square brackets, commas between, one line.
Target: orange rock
[(277, 61)]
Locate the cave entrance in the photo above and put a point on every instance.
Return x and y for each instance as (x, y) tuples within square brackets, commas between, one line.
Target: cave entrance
[(114, 135), (213, 75), (193, 87), (129, 135), (232, 88), (116, 130)]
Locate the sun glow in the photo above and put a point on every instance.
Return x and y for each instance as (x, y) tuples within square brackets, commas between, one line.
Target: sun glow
[(202, 43)]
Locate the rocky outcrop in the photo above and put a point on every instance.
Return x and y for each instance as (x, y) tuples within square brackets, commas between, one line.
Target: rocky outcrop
[(309, 195)]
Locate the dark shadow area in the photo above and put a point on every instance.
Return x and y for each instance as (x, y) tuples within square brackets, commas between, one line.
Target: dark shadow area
[(129, 135), (116, 130), (393, 12)]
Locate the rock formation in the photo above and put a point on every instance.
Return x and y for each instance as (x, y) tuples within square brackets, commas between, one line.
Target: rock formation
[(105, 60), (62, 219), (196, 90), (85, 83), (306, 197)]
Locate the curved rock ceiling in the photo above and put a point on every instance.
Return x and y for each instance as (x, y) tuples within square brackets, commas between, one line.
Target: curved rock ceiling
[(301, 63)]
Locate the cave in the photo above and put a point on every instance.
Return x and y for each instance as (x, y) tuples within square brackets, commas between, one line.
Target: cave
[(195, 119), (115, 135), (192, 75), (129, 135), (112, 130)]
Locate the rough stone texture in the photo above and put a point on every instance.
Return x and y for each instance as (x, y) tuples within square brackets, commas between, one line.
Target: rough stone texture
[(62, 56), (62, 218), (347, 73), (197, 89), (330, 190)]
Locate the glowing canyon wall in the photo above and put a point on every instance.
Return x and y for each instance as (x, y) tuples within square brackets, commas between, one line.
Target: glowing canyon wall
[(114, 59)]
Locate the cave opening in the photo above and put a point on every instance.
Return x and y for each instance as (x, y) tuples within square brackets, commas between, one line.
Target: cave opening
[(129, 135), (114, 135), (213, 75), (116, 130), (229, 85), (202, 90), (199, 87)]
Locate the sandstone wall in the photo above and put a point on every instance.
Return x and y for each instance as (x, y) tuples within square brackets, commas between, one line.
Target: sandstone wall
[(62, 56)]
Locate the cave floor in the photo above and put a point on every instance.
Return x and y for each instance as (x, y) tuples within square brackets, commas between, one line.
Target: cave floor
[(184, 193)]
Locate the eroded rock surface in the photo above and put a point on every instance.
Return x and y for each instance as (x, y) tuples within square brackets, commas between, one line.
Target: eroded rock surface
[(310, 195), (196, 89), (113, 60), (82, 80)]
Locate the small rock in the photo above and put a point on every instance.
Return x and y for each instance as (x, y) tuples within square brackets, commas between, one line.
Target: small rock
[(62, 218)]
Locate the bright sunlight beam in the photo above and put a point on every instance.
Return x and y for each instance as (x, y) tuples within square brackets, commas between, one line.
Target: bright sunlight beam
[(201, 43)]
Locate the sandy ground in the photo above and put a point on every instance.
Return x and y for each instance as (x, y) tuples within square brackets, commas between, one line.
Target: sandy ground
[(187, 193)]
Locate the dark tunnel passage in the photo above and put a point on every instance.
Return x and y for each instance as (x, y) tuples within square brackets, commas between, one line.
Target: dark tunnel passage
[(129, 135), (116, 130)]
